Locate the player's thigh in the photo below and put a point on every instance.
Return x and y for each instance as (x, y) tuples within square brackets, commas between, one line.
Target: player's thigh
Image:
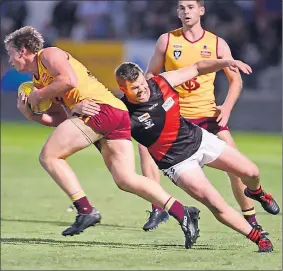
[(196, 184), (143, 153), (145, 157), (226, 136), (119, 157), (65, 140), (232, 161)]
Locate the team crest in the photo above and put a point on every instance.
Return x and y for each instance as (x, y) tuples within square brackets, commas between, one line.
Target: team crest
[(177, 54), (148, 124)]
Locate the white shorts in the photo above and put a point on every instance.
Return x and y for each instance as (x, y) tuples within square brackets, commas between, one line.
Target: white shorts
[(210, 149)]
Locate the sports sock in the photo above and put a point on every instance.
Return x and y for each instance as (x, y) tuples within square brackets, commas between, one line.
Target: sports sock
[(81, 203), (175, 209), (254, 235), (156, 207), (250, 215), (256, 193)]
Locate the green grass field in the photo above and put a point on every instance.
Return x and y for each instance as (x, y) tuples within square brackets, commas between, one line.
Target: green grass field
[(33, 215)]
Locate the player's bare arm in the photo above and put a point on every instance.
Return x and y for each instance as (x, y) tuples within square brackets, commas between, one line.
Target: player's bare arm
[(180, 76), (57, 63), (55, 115), (235, 85), (157, 60)]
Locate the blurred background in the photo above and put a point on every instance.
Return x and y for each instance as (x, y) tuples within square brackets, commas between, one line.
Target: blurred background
[(102, 34)]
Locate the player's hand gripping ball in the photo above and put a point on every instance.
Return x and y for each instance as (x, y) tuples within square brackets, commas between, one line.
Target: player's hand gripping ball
[(27, 88)]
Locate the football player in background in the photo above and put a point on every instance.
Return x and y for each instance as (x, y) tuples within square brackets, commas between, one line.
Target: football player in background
[(180, 48)]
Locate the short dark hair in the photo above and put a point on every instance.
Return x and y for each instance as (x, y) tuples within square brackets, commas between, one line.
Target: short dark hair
[(128, 71), (200, 2), (27, 37)]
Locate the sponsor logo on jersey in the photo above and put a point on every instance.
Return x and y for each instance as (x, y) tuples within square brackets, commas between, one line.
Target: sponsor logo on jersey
[(143, 117), (153, 106), (177, 54), (168, 104), (205, 54), (177, 46)]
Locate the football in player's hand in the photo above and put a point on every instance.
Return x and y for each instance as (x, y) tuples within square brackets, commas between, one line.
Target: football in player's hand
[(27, 88)]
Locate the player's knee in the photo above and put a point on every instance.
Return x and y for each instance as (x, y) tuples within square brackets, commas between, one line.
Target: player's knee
[(124, 182), (195, 191), (44, 158), (252, 172), (124, 185), (213, 206)]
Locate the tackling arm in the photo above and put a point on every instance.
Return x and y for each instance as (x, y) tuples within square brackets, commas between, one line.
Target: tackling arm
[(180, 76)]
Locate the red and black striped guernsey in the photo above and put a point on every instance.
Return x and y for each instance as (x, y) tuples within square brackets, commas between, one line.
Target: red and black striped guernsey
[(158, 125)]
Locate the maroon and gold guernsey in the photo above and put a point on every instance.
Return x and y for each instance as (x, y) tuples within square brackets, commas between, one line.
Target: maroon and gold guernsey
[(197, 98), (88, 86)]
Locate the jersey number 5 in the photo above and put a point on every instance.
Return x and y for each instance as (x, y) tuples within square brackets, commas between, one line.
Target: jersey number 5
[(191, 85)]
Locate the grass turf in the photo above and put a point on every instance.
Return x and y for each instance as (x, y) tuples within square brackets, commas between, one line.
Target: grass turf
[(33, 215)]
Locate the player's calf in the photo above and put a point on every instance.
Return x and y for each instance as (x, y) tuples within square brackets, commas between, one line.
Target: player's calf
[(153, 192), (233, 219)]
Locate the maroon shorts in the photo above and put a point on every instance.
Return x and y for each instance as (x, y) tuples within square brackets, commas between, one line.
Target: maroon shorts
[(111, 122), (210, 124)]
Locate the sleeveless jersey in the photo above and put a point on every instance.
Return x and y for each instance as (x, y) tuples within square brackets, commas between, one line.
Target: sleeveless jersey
[(88, 86), (197, 98), (157, 125)]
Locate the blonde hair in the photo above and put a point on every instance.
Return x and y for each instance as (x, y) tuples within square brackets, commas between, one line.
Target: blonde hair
[(27, 37)]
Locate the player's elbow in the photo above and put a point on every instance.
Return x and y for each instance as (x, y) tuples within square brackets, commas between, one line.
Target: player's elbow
[(69, 82), (73, 82)]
